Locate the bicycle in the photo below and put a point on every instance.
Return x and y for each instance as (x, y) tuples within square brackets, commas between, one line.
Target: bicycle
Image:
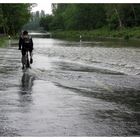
[(25, 60)]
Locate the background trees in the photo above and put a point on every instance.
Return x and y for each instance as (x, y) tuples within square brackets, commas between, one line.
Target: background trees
[(69, 17), (13, 17), (34, 22), (92, 16)]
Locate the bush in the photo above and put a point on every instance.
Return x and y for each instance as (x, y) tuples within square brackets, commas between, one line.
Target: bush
[(99, 33)]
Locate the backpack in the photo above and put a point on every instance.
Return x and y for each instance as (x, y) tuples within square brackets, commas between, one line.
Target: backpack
[(26, 40)]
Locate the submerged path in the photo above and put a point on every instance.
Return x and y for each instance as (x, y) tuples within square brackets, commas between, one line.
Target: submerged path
[(72, 89)]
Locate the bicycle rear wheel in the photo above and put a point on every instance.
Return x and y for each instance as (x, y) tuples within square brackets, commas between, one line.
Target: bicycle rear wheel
[(27, 64)]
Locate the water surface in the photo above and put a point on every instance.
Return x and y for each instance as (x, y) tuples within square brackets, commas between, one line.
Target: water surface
[(72, 89)]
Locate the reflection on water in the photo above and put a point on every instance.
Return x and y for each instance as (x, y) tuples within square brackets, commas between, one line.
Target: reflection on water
[(26, 83)]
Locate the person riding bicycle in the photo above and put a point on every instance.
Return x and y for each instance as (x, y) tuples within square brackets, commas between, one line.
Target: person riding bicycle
[(25, 45)]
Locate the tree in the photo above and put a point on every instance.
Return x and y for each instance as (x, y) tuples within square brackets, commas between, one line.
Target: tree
[(45, 22), (92, 16), (42, 14), (20, 12), (3, 22), (70, 16)]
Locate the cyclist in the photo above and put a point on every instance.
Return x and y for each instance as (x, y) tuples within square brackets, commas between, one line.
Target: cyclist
[(25, 45)]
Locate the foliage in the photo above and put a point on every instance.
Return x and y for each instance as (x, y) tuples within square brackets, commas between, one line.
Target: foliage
[(3, 41), (125, 33), (46, 22), (13, 17), (92, 16), (34, 22)]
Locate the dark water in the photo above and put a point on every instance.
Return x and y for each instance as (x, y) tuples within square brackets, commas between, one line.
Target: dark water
[(72, 89)]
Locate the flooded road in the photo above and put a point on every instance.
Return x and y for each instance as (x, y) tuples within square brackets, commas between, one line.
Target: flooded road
[(72, 89)]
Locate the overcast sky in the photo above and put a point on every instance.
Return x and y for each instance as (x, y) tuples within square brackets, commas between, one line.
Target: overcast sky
[(43, 6)]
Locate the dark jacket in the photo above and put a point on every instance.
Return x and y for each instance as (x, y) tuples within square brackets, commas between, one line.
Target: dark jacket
[(25, 42)]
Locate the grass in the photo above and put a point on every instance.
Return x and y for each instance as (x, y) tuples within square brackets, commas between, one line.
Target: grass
[(3, 41), (126, 33)]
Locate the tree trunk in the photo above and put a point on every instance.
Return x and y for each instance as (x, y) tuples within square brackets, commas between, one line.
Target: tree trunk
[(4, 30), (135, 17), (119, 19)]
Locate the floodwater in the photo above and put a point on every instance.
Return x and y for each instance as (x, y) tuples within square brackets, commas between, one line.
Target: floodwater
[(72, 89)]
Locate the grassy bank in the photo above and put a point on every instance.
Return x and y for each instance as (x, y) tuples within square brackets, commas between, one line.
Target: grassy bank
[(3, 41), (131, 33)]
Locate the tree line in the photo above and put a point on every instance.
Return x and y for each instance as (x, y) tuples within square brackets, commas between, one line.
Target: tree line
[(91, 16), (34, 21), (13, 17)]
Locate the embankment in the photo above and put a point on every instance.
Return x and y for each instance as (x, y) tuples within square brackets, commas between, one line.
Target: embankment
[(130, 33)]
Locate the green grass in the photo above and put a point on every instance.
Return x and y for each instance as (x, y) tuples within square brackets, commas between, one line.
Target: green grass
[(126, 33), (3, 41)]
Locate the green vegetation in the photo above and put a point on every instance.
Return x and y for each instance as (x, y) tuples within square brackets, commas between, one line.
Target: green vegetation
[(93, 21), (72, 20), (126, 33), (34, 21), (3, 40), (13, 17)]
